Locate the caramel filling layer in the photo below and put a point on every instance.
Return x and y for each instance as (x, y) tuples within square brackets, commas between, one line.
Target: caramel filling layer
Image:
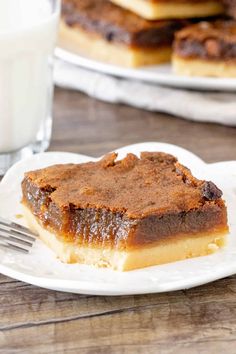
[(210, 49)]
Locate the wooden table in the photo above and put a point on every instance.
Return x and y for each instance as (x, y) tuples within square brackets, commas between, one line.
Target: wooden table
[(201, 320)]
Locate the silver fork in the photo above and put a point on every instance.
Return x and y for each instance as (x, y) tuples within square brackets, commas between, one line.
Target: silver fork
[(15, 236)]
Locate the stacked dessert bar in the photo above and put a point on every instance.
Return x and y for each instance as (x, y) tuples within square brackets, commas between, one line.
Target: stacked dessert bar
[(206, 49), (135, 33), (107, 32)]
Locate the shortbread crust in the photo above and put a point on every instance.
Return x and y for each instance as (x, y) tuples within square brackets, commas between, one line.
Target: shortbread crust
[(205, 68)]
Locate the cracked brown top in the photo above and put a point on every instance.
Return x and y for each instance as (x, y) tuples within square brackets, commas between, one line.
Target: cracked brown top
[(207, 40), (153, 184), (116, 24)]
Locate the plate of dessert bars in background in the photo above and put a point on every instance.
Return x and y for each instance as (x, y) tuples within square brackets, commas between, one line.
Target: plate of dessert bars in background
[(183, 217), (185, 44)]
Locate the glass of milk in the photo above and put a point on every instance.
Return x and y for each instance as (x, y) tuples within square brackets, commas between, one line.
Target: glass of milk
[(28, 30)]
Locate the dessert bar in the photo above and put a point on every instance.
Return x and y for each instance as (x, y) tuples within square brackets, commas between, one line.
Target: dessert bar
[(125, 214), (206, 49), (101, 30)]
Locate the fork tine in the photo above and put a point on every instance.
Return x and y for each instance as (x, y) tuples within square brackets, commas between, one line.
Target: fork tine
[(10, 238), (22, 235), (14, 247), (15, 237), (16, 227)]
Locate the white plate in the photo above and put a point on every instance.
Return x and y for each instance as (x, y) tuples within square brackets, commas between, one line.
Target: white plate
[(161, 74), (41, 268)]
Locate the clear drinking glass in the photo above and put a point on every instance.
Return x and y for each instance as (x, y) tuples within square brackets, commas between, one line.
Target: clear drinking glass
[(28, 31)]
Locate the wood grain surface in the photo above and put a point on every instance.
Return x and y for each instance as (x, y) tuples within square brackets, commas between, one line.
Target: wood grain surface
[(200, 320)]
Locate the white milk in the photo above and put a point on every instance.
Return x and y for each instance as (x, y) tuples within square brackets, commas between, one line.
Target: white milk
[(27, 40)]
